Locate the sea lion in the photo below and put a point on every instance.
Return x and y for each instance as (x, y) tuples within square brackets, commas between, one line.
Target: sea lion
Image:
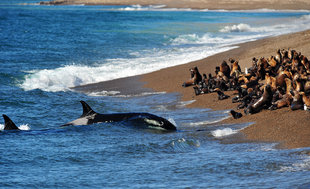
[(297, 103), (271, 81), (283, 102), (221, 95), (289, 87), (272, 62), (278, 57), (307, 87), (195, 77), (225, 69), (280, 79), (235, 115), (264, 100), (235, 69)]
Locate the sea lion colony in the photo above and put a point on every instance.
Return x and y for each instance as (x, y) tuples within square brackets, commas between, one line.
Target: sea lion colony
[(271, 83)]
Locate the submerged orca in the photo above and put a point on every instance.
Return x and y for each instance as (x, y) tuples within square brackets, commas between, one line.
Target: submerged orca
[(9, 124), (89, 116)]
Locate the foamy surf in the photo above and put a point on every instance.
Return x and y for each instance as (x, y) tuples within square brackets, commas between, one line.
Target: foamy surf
[(24, 127), (219, 133), (176, 51), (302, 165), (63, 78), (208, 122)]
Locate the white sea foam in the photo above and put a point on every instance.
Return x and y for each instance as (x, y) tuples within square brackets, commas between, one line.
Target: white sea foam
[(151, 8), (164, 8), (302, 165), (104, 93), (185, 103), (24, 127), (223, 132), (208, 122), (63, 78), (184, 48), (236, 28), (298, 24)]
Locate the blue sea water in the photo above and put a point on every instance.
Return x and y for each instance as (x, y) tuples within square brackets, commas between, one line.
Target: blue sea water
[(45, 50)]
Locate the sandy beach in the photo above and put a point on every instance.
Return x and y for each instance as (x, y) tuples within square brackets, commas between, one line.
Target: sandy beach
[(290, 128)]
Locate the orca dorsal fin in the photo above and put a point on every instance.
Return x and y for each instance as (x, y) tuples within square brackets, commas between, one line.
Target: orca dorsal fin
[(9, 124), (87, 110)]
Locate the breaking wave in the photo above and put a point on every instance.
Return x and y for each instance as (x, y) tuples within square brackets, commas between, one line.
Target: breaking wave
[(178, 50)]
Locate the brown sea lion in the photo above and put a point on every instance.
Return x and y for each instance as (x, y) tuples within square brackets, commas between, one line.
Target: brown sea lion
[(284, 102), (195, 77), (307, 87), (297, 82), (278, 57), (297, 103), (280, 79), (272, 62), (271, 81), (235, 69), (264, 100), (289, 87), (225, 69), (261, 68)]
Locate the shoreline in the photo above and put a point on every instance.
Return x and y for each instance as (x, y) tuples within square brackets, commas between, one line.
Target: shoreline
[(289, 128), (196, 4)]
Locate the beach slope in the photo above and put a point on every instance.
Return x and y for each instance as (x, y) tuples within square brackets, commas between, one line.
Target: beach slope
[(292, 128)]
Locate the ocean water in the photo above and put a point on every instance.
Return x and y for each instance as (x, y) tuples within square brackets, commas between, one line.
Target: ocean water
[(45, 50)]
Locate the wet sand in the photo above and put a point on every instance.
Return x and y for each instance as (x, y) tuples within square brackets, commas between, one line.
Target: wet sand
[(198, 4), (291, 129)]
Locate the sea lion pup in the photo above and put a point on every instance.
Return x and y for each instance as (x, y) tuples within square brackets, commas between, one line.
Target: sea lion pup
[(225, 69), (263, 101), (235, 115), (195, 77), (202, 87), (246, 99), (241, 93), (297, 103), (220, 94)]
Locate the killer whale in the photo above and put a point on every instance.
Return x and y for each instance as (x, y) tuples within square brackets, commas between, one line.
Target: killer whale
[(8, 123), (89, 116)]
